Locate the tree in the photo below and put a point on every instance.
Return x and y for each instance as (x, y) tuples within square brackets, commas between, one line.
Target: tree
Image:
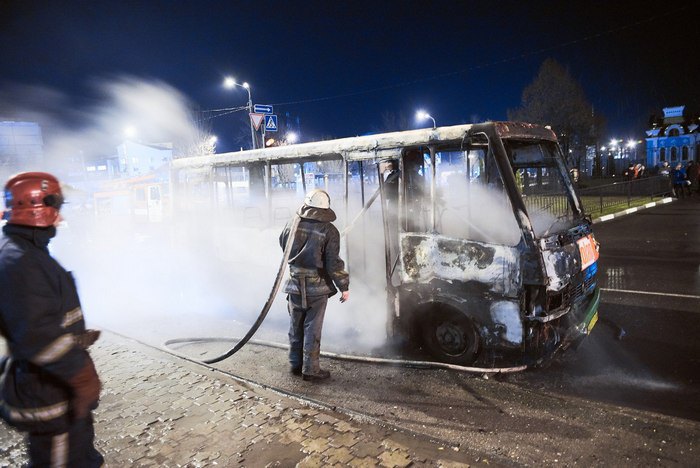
[(197, 141), (555, 99), (286, 174)]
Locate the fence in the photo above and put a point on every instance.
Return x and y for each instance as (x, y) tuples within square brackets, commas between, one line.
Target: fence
[(609, 198)]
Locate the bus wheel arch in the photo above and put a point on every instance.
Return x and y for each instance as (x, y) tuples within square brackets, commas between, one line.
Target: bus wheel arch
[(448, 333)]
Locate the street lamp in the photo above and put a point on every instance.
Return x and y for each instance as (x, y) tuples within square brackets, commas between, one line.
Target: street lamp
[(130, 131), (292, 138), (422, 115), (230, 83)]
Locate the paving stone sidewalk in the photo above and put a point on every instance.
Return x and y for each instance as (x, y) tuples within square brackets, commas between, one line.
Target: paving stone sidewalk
[(159, 410)]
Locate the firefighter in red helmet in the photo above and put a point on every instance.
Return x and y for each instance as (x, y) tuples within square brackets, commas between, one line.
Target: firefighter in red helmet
[(49, 383)]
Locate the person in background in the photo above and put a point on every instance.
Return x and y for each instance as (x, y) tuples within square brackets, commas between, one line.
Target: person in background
[(315, 270), (49, 384), (681, 184)]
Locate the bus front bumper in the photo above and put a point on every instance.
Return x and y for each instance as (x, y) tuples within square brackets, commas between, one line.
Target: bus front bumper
[(577, 333)]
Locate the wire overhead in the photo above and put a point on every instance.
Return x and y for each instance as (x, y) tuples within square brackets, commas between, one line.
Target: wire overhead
[(489, 64)]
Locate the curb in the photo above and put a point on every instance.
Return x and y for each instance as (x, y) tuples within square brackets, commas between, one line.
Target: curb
[(628, 211)]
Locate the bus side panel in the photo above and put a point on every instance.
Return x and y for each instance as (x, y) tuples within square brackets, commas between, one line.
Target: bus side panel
[(425, 256)]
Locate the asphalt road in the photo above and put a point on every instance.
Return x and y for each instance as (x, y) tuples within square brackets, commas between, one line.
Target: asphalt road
[(650, 276), (628, 395)]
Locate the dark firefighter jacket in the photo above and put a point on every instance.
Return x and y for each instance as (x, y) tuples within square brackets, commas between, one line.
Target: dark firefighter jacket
[(40, 317), (314, 260)]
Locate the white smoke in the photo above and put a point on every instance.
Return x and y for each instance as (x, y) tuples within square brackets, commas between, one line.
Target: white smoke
[(156, 111), (207, 270)]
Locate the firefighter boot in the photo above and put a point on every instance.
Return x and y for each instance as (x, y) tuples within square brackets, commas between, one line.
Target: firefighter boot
[(320, 375)]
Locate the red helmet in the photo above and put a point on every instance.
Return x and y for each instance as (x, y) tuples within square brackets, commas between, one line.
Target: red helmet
[(32, 199)]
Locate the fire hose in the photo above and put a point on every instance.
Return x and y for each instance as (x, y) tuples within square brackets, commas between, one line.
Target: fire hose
[(273, 293)]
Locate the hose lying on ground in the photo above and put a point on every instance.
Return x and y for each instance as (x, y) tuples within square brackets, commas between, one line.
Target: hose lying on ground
[(366, 359)]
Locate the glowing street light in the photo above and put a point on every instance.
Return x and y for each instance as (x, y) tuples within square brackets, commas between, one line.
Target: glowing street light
[(230, 83), (632, 145), (292, 138), (129, 131), (423, 115)]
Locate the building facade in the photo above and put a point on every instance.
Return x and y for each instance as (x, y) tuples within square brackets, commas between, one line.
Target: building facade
[(135, 159), (673, 139)]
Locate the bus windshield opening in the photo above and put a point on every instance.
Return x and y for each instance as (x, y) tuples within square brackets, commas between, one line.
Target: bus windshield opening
[(540, 176)]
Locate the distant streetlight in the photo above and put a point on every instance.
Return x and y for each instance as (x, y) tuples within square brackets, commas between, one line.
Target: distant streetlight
[(292, 138), (616, 148), (129, 131), (422, 115), (632, 145), (230, 83)]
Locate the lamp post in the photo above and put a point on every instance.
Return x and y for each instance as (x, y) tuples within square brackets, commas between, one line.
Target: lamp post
[(230, 83), (422, 115)]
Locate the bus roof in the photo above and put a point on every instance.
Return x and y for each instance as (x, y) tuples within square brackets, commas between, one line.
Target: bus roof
[(379, 146)]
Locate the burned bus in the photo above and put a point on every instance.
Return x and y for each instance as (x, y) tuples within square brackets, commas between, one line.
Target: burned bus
[(477, 236)]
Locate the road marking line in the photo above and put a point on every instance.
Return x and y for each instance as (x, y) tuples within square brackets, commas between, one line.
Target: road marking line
[(649, 293)]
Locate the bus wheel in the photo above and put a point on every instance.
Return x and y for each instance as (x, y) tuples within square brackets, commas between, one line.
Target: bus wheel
[(450, 336)]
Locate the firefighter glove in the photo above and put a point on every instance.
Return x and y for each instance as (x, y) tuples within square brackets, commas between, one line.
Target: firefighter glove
[(87, 338), (86, 390)]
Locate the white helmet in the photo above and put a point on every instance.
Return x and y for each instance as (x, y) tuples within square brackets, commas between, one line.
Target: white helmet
[(318, 199)]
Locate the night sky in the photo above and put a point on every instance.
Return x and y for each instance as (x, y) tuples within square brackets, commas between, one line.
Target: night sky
[(340, 66)]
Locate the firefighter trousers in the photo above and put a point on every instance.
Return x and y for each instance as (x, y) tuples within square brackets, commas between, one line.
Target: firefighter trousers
[(305, 324), (72, 449)]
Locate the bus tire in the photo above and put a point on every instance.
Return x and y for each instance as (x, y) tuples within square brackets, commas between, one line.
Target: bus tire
[(449, 335)]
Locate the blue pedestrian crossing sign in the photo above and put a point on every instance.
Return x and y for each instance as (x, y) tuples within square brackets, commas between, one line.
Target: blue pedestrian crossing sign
[(271, 123)]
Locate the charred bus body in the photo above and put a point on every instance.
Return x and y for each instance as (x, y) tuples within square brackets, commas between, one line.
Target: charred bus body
[(485, 252)]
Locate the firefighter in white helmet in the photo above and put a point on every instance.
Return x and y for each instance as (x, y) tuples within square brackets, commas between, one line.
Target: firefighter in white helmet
[(50, 384), (316, 273)]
